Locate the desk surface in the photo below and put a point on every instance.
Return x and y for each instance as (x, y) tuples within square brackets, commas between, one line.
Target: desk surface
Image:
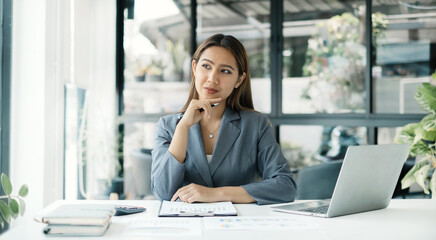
[(403, 219)]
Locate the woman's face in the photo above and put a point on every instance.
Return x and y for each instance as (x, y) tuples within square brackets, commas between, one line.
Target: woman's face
[(216, 73)]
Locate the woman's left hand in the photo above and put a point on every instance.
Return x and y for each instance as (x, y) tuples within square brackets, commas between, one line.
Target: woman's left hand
[(195, 193)]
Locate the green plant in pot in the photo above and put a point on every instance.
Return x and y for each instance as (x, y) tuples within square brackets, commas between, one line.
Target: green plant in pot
[(421, 137), (154, 71), (11, 205), (177, 55)]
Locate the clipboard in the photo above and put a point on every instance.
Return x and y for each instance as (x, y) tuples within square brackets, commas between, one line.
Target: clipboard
[(182, 209)]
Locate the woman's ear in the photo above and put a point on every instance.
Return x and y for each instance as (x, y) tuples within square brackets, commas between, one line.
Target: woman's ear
[(194, 64), (241, 79)]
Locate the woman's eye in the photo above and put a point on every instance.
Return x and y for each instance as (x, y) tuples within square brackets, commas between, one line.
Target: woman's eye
[(226, 71), (206, 66)]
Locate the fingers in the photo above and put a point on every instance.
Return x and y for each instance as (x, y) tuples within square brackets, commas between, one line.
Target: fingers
[(175, 196), (198, 109), (191, 199), (186, 194), (209, 108), (181, 194), (203, 106)]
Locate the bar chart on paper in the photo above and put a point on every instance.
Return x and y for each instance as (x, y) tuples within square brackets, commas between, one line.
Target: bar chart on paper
[(140, 227), (169, 208)]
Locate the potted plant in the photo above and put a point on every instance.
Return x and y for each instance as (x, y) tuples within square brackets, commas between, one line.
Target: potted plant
[(139, 72), (421, 137), (177, 56), (11, 205), (154, 71)]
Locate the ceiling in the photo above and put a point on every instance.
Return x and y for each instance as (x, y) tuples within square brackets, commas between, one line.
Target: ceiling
[(250, 19)]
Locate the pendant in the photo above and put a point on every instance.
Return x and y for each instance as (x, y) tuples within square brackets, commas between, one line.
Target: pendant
[(211, 135)]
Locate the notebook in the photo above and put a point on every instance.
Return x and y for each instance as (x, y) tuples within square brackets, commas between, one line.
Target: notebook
[(80, 214), (366, 182), (75, 230)]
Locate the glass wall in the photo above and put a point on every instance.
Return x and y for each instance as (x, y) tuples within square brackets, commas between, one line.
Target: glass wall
[(323, 57), (156, 79), (157, 57), (157, 66), (405, 53), (309, 145), (323, 91), (248, 21)]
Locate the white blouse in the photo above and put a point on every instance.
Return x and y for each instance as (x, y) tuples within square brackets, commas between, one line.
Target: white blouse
[(208, 157)]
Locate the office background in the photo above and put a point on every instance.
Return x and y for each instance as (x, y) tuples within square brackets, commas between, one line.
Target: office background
[(88, 79)]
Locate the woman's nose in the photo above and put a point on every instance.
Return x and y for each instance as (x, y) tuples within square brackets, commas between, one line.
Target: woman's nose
[(213, 77)]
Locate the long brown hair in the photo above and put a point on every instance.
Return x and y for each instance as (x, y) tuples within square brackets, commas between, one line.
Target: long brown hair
[(240, 98)]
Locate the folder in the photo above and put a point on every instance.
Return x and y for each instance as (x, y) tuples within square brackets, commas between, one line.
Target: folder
[(182, 209)]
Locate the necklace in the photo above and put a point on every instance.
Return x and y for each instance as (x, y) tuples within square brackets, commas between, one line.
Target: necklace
[(211, 134)]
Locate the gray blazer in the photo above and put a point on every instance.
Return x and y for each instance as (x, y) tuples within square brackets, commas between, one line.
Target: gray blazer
[(245, 148)]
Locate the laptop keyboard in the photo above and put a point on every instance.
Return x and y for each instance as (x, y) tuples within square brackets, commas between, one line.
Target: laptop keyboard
[(322, 209)]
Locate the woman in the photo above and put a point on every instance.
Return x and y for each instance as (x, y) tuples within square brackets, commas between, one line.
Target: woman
[(216, 147)]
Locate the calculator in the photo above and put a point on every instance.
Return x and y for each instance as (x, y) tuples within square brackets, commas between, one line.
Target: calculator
[(126, 210)]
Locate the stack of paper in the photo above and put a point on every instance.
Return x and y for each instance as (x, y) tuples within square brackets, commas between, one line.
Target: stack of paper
[(78, 220)]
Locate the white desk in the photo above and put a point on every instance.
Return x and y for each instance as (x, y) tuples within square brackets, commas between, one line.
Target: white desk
[(403, 219)]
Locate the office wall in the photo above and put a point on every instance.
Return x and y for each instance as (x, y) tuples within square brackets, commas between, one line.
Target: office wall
[(55, 42), (94, 45), (27, 107)]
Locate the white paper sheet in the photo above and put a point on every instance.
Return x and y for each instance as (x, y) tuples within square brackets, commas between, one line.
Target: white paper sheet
[(259, 223), (218, 208), (167, 226)]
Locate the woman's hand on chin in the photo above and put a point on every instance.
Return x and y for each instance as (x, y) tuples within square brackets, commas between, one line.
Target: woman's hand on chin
[(193, 114)]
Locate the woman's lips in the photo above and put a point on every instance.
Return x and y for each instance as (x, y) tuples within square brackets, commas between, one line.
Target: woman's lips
[(210, 90)]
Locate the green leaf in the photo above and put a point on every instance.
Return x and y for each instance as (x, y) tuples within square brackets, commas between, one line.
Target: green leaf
[(407, 133), (429, 122), (2, 223), (420, 148), (426, 97), (421, 176), (22, 207), (429, 135), (409, 178), (14, 215), (4, 209), (13, 205), (23, 191), (432, 184), (6, 184)]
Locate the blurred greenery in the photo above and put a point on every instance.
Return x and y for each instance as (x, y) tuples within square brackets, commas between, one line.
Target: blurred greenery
[(335, 61), (297, 156)]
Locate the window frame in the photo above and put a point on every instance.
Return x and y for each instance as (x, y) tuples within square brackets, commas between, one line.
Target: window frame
[(5, 93)]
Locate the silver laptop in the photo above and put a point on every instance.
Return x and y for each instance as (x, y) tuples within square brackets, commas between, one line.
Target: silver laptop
[(366, 182)]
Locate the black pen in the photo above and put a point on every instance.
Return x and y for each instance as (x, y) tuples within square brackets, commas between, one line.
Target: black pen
[(213, 105)]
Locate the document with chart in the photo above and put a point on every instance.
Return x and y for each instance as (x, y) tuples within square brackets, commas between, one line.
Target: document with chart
[(260, 223), (139, 226), (182, 209)]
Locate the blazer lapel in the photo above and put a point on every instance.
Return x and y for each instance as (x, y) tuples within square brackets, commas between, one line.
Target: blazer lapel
[(197, 153), (226, 138)]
